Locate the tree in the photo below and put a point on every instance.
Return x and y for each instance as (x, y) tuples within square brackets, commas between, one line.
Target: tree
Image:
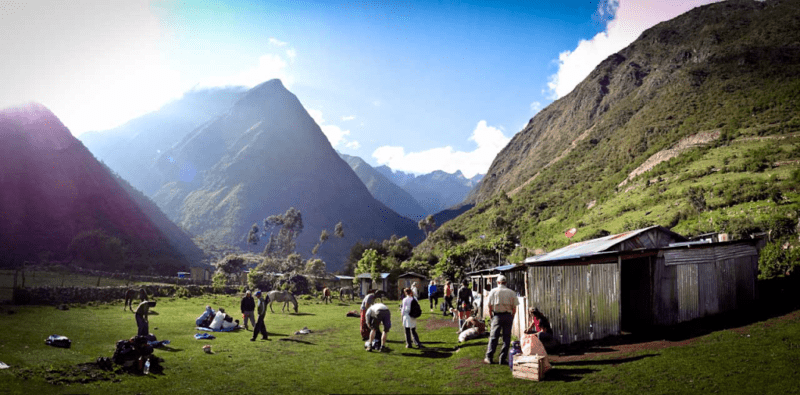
[(322, 238), (339, 230), (231, 264), (97, 247), (252, 236), (315, 267), (428, 225), (290, 225)]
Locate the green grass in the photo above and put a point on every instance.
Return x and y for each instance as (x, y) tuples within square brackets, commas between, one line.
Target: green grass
[(760, 358)]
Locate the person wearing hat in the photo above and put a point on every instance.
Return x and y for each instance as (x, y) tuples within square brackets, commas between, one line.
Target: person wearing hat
[(248, 305), (502, 307), (260, 327)]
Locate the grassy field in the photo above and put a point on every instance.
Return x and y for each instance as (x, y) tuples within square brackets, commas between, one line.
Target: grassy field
[(760, 357)]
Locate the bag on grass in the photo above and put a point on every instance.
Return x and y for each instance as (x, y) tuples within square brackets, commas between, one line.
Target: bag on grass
[(416, 310), (58, 341)]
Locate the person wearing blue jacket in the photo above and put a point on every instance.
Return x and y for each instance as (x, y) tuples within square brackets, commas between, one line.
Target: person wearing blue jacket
[(433, 297)]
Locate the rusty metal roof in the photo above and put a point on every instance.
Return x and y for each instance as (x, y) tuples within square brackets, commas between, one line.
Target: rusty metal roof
[(588, 247)]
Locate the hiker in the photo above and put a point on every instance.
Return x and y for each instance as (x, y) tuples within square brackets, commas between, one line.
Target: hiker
[(248, 305), (142, 321), (409, 322), (464, 303), (378, 313), (502, 307), (433, 298), (260, 327), (205, 319), (414, 290), (448, 297), (365, 304)]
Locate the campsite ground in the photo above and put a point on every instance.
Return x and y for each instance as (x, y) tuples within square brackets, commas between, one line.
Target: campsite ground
[(746, 353)]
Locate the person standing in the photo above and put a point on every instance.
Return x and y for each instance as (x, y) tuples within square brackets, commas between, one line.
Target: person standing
[(260, 327), (448, 297), (409, 322), (502, 307), (365, 304), (376, 315), (465, 301), (247, 306), (142, 321), (433, 297), (414, 290)]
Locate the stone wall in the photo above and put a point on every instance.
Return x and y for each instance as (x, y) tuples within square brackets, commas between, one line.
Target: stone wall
[(69, 295)]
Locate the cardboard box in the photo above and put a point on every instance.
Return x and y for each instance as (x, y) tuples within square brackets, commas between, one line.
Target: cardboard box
[(528, 367)]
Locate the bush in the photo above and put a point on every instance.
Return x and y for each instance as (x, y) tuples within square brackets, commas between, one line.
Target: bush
[(777, 259), (219, 281)]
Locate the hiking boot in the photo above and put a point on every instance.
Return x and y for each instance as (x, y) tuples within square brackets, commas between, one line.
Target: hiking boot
[(488, 361), (253, 339), (419, 345), (369, 348)]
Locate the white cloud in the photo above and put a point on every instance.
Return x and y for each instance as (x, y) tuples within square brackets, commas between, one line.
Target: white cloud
[(349, 118), (291, 54), (94, 64), (337, 136), (278, 43), (535, 107), (630, 19), (269, 66), (490, 140)]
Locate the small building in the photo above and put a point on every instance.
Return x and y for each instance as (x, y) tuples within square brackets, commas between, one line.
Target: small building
[(338, 281), (406, 279), (483, 281), (637, 279), (365, 283), (200, 275)]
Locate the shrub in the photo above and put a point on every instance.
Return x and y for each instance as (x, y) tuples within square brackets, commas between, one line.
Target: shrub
[(219, 281), (777, 258)]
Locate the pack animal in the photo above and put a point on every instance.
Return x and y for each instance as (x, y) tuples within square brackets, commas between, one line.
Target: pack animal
[(326, 295), (131, 294), (346, 291), (282, 296)]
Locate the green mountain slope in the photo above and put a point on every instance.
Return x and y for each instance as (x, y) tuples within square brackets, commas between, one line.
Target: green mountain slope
[(694, 126)]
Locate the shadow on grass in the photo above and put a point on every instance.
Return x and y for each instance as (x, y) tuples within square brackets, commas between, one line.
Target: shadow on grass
[(276, 334), (297, 341), (302, 314), (168, 349), (429, 353), (614, 361), (567, 375)]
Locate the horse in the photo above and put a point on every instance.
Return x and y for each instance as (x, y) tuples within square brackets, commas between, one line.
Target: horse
[(281, 296), (130, 294), (326, 295), (348, 291)]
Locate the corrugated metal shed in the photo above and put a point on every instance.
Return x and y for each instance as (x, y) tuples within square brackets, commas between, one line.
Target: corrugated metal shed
[(633, 280)]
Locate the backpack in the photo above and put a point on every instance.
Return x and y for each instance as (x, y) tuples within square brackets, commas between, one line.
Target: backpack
[(416, 310)]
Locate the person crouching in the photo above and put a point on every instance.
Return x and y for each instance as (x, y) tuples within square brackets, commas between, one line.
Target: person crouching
[(378, 313)]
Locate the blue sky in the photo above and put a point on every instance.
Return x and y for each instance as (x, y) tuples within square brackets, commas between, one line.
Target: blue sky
[(418, 85)]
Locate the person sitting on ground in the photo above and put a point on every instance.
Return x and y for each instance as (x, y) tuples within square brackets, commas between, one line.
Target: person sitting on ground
[(205, 319), (378, 313), (473, 328), (223, 321), (540, 326)]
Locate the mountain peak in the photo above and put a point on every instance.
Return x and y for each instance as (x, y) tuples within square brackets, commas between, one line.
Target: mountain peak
[(37, 124)]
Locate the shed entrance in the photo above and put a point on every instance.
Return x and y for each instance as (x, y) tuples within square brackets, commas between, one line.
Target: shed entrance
[(636, 288)]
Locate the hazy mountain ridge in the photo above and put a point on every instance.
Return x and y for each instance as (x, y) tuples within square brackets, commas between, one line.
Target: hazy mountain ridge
[(263, 156), (52, 189), (387, 192), (436, 191), (132, 149)]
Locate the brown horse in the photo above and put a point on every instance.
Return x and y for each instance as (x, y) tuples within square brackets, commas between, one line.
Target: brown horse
[(130, 294), (326, 295)]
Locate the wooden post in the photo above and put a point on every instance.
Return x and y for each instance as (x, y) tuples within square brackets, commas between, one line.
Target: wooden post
[(98, 280)]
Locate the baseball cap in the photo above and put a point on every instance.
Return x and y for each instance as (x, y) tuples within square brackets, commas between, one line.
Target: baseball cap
[(501, 278)]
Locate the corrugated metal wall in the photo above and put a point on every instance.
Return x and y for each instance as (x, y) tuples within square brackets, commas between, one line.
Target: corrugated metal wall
[(698, 282), (582, 302)]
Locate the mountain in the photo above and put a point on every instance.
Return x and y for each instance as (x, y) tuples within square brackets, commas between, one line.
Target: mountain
[(131, 150), (435, 191), (693, 126), (385, 191), (260, 158), (54, 195)]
